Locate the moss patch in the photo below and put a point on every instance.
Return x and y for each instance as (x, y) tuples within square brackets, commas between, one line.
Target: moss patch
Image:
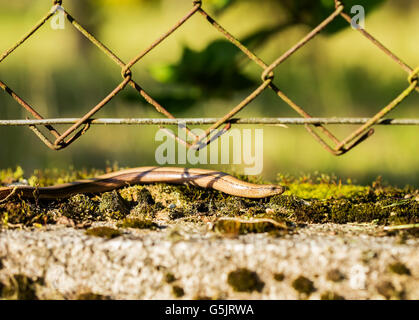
[(178, 292), (9, 176), (399, 268), (80, 208), (169, 277), (104, 232), (20, 287), (313, 198), (244, 280), (112, 205), (303, 285), (25, 213), (279, 277), (143, 196)]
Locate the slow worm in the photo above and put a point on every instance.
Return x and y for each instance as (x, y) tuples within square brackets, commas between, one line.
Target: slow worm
[(197, 177)]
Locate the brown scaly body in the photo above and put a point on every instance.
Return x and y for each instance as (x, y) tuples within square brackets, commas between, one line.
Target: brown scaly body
[(198, 177)]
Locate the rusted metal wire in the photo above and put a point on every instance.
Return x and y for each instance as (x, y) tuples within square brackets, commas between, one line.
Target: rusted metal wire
[(209, 121), (315, 126)]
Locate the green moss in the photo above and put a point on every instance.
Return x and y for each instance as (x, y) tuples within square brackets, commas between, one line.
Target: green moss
[(176, 193), (25, 213), (320, 186), (329, 200), (362, 209), (325, 191), (18, 174), (303, 285), (49, 177), (145, 211), (178, 292), (284, 201), (316, 198), (104, 232), (80, 207), (112, 205), (399, 268), (176, 213), (330, 295), (138, 223), (8, 176), (140, 201), (244, 280), (143, 196), (20, 287)]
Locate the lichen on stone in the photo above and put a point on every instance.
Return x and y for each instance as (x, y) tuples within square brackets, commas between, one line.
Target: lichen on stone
[(399, 268), (104, 232), (20, 287), (303, 285), (330, 295), (112, 205), (178, 291), (244, 280)]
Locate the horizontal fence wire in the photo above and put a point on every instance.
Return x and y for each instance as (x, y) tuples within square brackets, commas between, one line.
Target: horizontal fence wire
[(315, 126), (208, 121)]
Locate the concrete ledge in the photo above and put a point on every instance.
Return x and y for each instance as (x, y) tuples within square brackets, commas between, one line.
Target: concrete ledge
[(339, 260)]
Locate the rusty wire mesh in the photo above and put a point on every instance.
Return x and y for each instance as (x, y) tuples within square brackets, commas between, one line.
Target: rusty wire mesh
[(315, 126)]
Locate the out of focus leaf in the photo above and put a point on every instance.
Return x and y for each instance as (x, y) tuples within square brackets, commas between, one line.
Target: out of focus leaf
[(259, 37), (179, 101), (312, 13), (164, 73), (216, 70), (220, 5), (213, 70)]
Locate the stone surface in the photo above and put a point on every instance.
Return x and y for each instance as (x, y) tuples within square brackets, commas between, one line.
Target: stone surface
[(137, 264)]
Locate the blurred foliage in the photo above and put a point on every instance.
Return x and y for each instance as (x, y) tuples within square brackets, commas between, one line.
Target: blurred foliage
[(215, 70), (62, 74), (201, 70), (217, 5), (311, 13)]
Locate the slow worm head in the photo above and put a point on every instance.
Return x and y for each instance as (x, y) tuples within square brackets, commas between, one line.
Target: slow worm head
[(197, 177)]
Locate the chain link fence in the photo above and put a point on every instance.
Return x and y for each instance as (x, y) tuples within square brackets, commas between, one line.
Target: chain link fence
[(315, 126)]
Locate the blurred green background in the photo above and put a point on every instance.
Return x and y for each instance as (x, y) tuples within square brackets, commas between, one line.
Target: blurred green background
[(195, 73)]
